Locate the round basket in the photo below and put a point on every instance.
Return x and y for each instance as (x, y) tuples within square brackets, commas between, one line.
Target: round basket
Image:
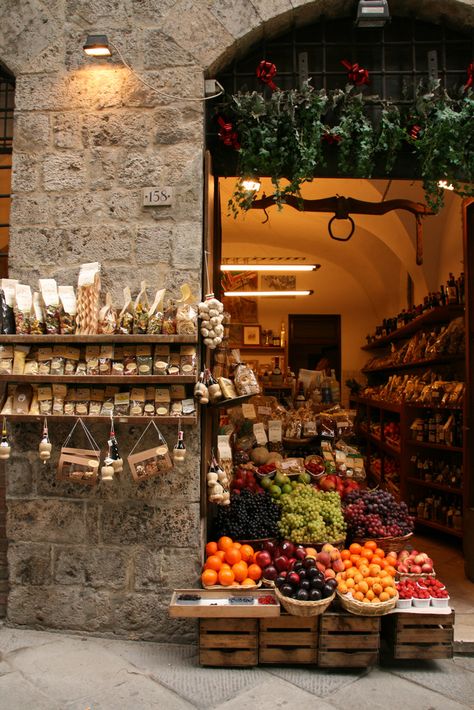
[(296, 443), (298, 608), (387, 544), (268, 583), (413, 577), (318, 546), (363, 609), (258, 543)]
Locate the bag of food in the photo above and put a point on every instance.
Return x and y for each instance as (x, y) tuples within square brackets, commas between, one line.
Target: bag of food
[(169, 319), (107, 317), (88, 292), (187, 314), (7, 300), (244, 377), (22, 309), (67, 314), (137, 401), (140, 316), (6, 359), (37, 325), (126, 314), (96, 401), (19, 359), (52, 306), (155, 314)]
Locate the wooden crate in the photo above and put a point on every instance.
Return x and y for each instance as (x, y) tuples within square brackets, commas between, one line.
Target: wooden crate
[(348, 641), (228, 642), (420, 636), (288, 639)]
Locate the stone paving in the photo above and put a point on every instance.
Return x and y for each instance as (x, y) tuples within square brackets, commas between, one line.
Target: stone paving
[(52, 671)]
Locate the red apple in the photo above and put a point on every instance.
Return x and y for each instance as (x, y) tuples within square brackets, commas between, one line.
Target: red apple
[(263, 558), (281, 563), (270, 573)]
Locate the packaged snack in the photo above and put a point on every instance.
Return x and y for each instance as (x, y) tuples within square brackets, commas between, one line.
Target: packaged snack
[(8, 405), (68, 312), (130, 360), (137, 401), (92, 359), (144, 360), (122, 404), (45, 400), (6, 359), (22, 309), (107, 317), (105, 359), (52, 306), (45, 355), (177, 391), (245, 381), (126, 314), (155, 314), (7, 300), (149, 408), (169, 318), (71, 358), (59, 396), (109, 399), (83, 395), (161, 359), (88, 290), (162, 401), (31, 365), (37, 324), (81, 368), (57, 361), (34, 406), (227, 387), (140, 316), (173, 367), (70, 401), (189, 407), (96, 401), (176, 409), (186, 320), (188, 360), (117, 362)]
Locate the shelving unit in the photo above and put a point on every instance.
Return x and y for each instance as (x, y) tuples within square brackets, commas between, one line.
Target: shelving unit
[(442, 314)]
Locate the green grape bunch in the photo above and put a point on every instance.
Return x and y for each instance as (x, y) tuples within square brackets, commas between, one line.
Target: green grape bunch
[(308, 516)]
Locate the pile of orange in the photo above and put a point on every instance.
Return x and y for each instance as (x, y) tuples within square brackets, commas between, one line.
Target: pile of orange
[(230, 563), (369, 574)]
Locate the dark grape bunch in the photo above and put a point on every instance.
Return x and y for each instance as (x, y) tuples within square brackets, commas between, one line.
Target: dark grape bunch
[(376, 514), (248, 517)]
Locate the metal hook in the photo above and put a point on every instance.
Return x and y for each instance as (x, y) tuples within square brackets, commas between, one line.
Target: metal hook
[(341, 239)]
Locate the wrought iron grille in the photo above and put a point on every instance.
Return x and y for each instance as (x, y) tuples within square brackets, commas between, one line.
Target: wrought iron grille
[(7, 96)]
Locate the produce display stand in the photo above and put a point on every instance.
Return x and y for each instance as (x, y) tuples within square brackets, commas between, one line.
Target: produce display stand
[(288, 639), (348, 641), (228, 643), (424, 636)]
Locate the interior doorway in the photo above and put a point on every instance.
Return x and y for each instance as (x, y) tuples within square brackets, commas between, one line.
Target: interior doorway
[(312, 339)]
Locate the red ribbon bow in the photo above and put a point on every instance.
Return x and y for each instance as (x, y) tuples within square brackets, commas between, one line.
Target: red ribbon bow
[(265, 72), (470, 76), (331, 138), (415, 132), (356, 74), (227, 134)]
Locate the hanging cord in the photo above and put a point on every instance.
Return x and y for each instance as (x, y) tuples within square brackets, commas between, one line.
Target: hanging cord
[(90, 438), (162, 93), (389, 184), (151, 423), (206, 266)]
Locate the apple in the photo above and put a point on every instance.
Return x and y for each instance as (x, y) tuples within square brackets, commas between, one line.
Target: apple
[(324, 558), (415, 569), (335, 555), (300, 553), (329, 574), (426, 567), (293, 578), (287, 548), (421, 558), (327, 547), (403, 569), (270, 547), (263, 558), (270, 572), (338, 565), (281, 563)]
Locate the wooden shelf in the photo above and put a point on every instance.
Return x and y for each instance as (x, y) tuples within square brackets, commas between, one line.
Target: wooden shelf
[(443, 314), (446, 360), (437, 486), (102, 379), (428, 445), (438, 526), (387, 406), (234, 402), (98, 339), (266, 348), (386, 448), (121, 419)]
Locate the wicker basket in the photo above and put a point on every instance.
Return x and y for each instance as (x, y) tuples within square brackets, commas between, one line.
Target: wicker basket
[(258, 543), (299, 608), (339, 544), (363, 608), (413, 577), (387, 544)]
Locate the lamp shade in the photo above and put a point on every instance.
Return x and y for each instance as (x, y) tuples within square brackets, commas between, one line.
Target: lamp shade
[(97, 46), (372, 13)]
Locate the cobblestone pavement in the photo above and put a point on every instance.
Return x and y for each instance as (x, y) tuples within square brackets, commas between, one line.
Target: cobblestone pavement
[(41, 670)]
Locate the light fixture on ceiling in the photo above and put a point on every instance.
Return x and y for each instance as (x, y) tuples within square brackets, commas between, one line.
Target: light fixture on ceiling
[(97, 46), (270, 267), (251, 184), (444, 185), (372, 13), (247, 294)]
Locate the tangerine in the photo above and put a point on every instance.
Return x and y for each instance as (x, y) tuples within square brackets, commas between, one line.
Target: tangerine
[(391, 570), (367, 552), (354, 559), (342, 588), (358, 577), (248, 582), (376, 560), (221, 555), (240, 571), (213, 562), (346, 555), (355, 548), (226, 577), (224, 542), (362, 587), (364, 571), (370, 545), (247, 552), (384, 597), (377, 589), (370, 595), (211, 548), (232, 555), (379, 552), (374, 570), (209, 577), (359, 596), (391, 591), (254, 572), (350, 583), (347, 564), (238, 545)]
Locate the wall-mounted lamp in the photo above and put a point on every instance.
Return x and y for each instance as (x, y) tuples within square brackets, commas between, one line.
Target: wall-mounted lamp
[(372, 13), (251, 185), (246, 294), (97, 46)]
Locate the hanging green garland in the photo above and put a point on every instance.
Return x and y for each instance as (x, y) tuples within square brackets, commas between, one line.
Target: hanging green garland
[(283, 136)]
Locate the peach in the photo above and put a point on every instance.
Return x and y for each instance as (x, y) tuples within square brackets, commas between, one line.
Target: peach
[(329, 574)]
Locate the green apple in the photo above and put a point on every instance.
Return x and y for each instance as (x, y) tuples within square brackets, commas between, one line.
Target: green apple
[(279, 479), (304, 478), (275, 491), (266, 482), (287, 488)]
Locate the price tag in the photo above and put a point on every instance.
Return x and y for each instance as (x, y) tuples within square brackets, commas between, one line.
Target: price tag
[(274, 430), (248, 411), (157, 196), (264, 410), (260, 435)]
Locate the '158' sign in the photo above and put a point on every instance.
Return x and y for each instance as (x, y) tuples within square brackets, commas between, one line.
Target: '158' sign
[(157, 196)]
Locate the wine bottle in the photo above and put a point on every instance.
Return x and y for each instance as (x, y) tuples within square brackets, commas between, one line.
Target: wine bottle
[(282, 335), (452, 290), (300, 399), (335, 388), (277, 377), (179, 450)]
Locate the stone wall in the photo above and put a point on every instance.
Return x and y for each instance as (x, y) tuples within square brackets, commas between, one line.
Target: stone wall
[(88, 137)]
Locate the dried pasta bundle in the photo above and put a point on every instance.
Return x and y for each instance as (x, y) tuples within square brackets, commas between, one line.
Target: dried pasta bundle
[(88, 299)]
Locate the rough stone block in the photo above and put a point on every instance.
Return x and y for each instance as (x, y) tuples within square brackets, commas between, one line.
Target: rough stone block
[(20, 476), (31, 209), (180, 568), (176, 277), (150, 11), (46, 521), (32, 131), (64, 171), (145, 616), (161, 524), (170, 84), (174, 126), (141, 170), (74, 210), (187, 245), (162, 51), (33, 247), (147, 569), (50, 59), (91, 567), (67, 130), (25, 172), (154, 243), (269, 9), (102, 129), (124, 205), (103, 167), (60, 608), (182, 164), (29, 564), (237, 18)]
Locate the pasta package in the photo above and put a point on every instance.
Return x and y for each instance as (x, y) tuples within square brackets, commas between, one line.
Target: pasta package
[(19, 359), (126, 314), (37, 324), (107, 317), (140, 316), (155, 314), (52, 306), (22, 309), (59, 397), (83, 395), (137, 401), (45, 400), (144, 360), (92, 359), (6, 359), (88, 291), (68, 312), (244, 377), (7, 301), (45, 355)]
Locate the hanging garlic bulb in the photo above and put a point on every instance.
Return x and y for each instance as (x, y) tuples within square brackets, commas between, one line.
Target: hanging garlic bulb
[(210, 312), (5, 448), (45, 446)]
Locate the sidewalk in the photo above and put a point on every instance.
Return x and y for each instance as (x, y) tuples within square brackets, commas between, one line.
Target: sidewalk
[(49, 671)]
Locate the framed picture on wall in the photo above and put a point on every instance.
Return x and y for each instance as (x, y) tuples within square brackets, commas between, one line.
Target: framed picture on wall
[(251, 335)]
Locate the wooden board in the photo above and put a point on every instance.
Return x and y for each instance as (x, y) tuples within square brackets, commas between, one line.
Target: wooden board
[(288, 639), (103, 379), (423, 636), (347, 641), (348, 622), (341, 659), (228, 642), (82, 339), (203, 610)]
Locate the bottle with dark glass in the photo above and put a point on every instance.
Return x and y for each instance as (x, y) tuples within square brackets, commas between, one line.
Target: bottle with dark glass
[(442, 296), (300, 399), (452, 290), (179, 450), (277, 377), (461, 289)]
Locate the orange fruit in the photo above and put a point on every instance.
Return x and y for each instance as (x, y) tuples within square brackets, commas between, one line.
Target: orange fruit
[(224, 542), (209, 577), (240, 571), (238, 545), (377, 589), (363, 587), (358, 577), (366, 601), (384, 597), (364, 571), (346, 555), (226, 577), (211, 548), (347, 564), (254, 572), (367, 553), (221, 555), (370, 545), (375, 600), (351, 571), (354, 559), (213, 562), (350, 583), (342, 588), (232, 555), (374, 570), (376, 560), (370, 595), (355, 548), (391, 591), (247, 552), (359, 596), (386, 582), (379, 552), (391, 570), (248, 582)]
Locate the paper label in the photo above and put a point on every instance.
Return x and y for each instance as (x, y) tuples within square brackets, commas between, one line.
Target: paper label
[(6, 351), (223, 448), (177, 392), (87, 273), (187, 350), (137, 394), (264, 410), (111, 391), (72, 353), (38, 307), (49, 291), (83, 394), (67, 297), (188, 406), (8, 287), (107, 351), (162, 394), (122, 398), (309, 428), (248, 411), (71, 394), (162, 350), (260, 435), (129, 350), (92, 352), (24, 298), (288, 463), (60, 391), (274, 430), (45, 354), (150, 393), (45, 393)]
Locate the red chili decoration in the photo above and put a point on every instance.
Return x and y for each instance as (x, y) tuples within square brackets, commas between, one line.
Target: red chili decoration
[(356, 74), (265, 72), (415, 132), (331, 138), (227, 134), (470, 76)]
